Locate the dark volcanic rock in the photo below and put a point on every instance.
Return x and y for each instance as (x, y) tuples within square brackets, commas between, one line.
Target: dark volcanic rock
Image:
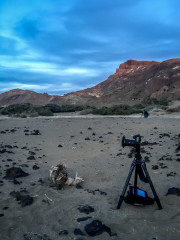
[(174, 191), (15, 172), (87, 138), (83, 219), (96, 228), (146, 159), (178, 148), (35, 167), (3, 150), (86, 209), (78, 231), (31, 158), (32, 153), (35, 132), (155, 167), (171, 174), (24, 200), (164, 135)]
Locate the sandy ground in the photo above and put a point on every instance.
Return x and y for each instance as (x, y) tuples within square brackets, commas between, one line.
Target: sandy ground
[(103, 164)]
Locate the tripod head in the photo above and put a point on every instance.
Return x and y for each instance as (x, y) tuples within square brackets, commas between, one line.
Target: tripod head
[(132, 143)]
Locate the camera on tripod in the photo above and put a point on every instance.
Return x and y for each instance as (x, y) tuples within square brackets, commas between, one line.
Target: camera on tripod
[(132, 143), (135, 195)]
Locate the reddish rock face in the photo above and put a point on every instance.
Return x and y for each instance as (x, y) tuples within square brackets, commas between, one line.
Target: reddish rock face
[(134, 81), (130, 84), (133, 64)]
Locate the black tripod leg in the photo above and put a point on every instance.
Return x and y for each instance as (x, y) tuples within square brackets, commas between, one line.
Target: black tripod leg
[(125, 186), (152, 187)]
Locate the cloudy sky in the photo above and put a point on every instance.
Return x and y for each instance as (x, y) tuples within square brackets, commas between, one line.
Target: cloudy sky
[(59, 46)]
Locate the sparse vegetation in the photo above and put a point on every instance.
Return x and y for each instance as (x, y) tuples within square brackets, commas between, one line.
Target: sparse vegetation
[(173, 110), (153, 101), (117, 110), (26, 109)]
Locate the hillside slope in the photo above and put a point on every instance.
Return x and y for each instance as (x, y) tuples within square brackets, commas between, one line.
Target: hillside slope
[(130, 84)]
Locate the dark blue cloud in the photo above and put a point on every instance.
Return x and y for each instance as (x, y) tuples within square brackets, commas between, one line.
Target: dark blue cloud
[(79, 43)]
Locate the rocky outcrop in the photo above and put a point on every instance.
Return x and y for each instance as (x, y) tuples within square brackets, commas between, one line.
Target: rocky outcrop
[(134, 81)]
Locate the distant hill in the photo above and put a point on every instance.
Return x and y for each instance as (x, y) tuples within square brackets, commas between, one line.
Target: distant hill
[(132, 82)]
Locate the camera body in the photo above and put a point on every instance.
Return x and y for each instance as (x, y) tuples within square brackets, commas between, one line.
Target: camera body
[(132, 143)]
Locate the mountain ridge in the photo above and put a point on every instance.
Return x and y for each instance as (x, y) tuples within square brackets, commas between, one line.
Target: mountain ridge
[(130, 84)]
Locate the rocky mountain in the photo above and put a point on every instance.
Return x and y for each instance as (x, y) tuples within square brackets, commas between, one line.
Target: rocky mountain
[(26, 96), (134, 81), (130, 84)]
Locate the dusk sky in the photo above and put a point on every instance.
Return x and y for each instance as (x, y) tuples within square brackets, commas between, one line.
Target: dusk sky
[(59, 46)]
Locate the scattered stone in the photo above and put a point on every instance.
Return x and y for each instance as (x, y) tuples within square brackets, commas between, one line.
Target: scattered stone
[(78, 231), (145, 143), (79, 186), (25, 148), (8, 146), (5, 208), (86, 209), (24, 165), (31, 158), (15, 172), (35, 132), (164, 135), (35, 236), (83, 219), (146, 159), (174, 191), (171, 174), (3, 150), (24, 200), (162, 165), (96, 228), (13, 130), (32, 153), (178, 148), (60, 145), (41, 181), (35, 167), (9, 160), (1, 183), (87, 138), (155, 167)]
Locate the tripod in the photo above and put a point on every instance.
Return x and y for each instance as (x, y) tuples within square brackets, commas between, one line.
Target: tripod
[(139, 165)]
